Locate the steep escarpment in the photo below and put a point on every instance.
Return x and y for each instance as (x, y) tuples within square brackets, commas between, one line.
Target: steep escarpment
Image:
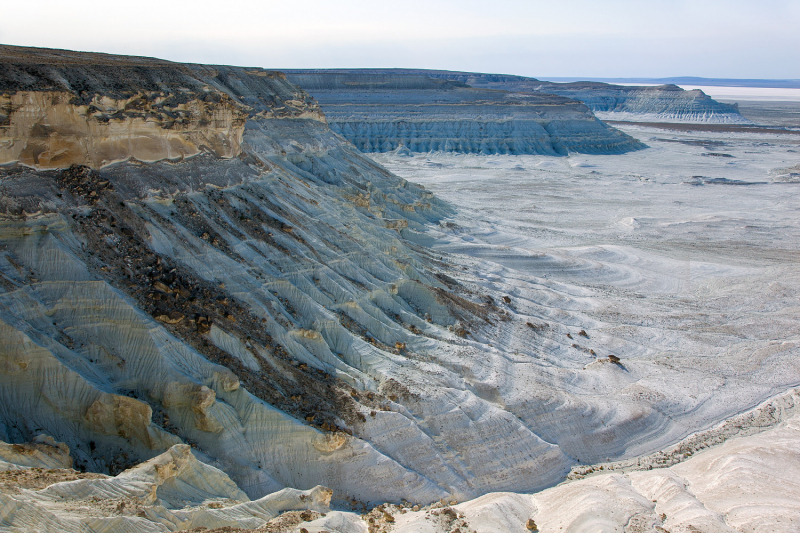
[(269, 306), (59, 109), (381, 111), (663, 103)]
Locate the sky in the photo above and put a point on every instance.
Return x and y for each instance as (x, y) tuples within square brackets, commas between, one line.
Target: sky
[(600, 38)]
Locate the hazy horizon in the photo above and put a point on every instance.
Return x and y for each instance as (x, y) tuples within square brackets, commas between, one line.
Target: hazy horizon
[(576, 38)]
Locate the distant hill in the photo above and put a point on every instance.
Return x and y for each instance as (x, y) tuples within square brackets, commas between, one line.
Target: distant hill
[(661, 103), (692, 80)]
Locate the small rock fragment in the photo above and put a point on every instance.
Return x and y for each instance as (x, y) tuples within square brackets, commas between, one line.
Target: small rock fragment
[(203, 325), (161, 287), (173, 317)]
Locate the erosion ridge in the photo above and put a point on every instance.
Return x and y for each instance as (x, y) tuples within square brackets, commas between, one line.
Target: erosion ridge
[(265, 306), (664, 103), (707, 482), (278, 309), (386, 110)]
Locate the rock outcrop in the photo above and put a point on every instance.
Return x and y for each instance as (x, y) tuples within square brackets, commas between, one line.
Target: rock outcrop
[(382, 111), (171, 492), (662, 103), (42, 452), (59, 108)]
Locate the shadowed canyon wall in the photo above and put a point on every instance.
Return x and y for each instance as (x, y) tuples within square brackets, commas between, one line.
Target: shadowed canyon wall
[(382, 111), (612, 102)]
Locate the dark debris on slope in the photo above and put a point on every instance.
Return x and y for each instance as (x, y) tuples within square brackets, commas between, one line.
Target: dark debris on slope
[(116, 243), (117, 249)]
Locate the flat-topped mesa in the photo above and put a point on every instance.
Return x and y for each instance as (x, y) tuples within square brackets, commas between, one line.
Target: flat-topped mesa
[(59, 108), (386, 110), (663, 103)]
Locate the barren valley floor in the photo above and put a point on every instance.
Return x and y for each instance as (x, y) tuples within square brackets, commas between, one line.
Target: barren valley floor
[(681, 258)]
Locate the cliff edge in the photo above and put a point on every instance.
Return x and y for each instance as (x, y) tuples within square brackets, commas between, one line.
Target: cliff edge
[(386, 110), (189, 254), (59, 108), (660, 103)]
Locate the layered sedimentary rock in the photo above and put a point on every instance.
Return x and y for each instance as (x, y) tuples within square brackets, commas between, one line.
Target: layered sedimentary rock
[(277, 309), (664, 103), (382, 111), (59, 109), (264, 306)]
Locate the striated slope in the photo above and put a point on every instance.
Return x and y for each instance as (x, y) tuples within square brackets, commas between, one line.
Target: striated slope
[(266, 308), (382, 111), (663, 103)]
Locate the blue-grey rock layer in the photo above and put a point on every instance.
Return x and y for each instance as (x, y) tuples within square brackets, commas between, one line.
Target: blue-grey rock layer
[(390, 110), (663, 102)]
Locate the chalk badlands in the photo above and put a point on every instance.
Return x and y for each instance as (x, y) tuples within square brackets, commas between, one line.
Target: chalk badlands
[(382, 111), (245, 305), (358, 95), (661, 103)]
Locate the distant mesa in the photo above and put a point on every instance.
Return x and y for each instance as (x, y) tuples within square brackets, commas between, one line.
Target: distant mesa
[(417, 111), (663, 102), (379, 110), (693, 80)]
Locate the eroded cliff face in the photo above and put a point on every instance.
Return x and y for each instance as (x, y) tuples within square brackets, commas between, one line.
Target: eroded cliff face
[(382, 111), (664, 103), (59, 109), (46, 130), (265, 307)]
